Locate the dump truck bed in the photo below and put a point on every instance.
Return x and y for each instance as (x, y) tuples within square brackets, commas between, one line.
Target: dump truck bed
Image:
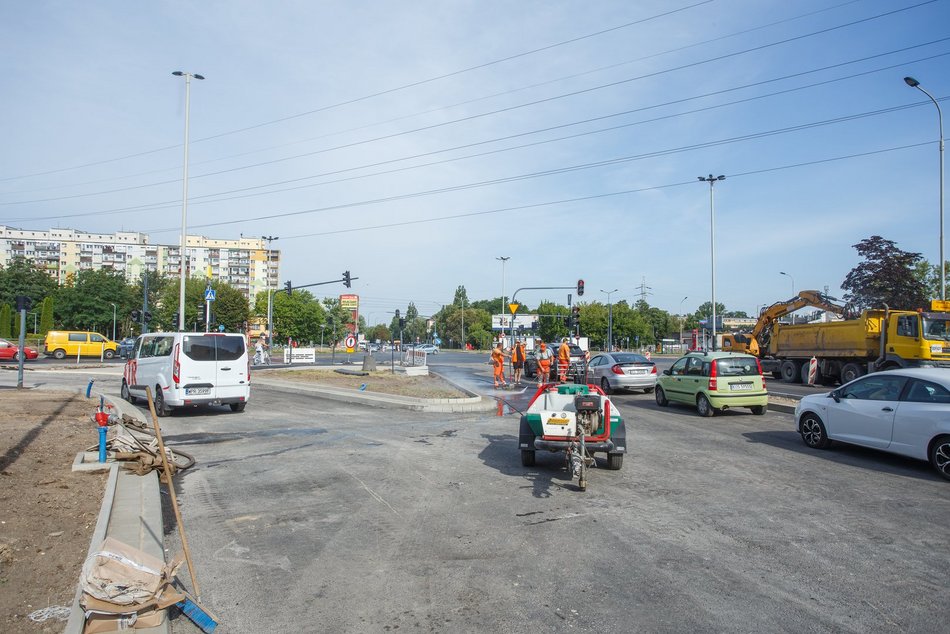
[(857, 338)]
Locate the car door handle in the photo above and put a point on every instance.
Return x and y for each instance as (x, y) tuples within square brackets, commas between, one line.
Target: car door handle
[(887, 409), (225, 368)]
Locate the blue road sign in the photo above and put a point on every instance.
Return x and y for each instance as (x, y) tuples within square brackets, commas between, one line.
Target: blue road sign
[(209, 295)]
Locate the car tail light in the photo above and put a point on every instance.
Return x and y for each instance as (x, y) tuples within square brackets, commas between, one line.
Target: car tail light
[(176, 368), (653, 370), (616, 369), (712, 375), (758, 364)]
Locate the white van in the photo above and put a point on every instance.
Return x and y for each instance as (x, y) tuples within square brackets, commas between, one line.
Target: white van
[(189, 368)]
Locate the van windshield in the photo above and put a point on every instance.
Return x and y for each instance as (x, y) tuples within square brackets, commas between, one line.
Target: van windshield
[(213, 347)]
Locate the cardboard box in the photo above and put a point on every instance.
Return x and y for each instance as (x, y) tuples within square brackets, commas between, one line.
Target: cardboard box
[(121, 574), (103, 616)]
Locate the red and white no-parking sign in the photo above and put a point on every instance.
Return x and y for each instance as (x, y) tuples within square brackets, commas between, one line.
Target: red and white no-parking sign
[(350, 343)]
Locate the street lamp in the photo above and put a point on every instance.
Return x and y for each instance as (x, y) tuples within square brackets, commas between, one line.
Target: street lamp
[(793, 281), (504, 259), (712, 244), (270, 310), (610, 320), (913, 83), (113, 321), (682, 319), (184, 198)]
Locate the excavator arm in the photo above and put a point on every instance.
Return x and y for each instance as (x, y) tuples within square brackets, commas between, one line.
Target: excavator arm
[(758, 339)]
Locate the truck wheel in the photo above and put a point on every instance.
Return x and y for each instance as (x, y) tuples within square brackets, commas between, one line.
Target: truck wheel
[(59, 354), (660, 397), (527, 458), (805, 374), (850, 372), (614, 461), (791, 372), (940, 456)]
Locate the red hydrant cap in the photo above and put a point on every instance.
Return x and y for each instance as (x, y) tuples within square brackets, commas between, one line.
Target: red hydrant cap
[(102, 418)]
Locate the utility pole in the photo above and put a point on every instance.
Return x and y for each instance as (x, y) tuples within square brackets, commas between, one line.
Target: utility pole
[(712, 246), (644, 289)]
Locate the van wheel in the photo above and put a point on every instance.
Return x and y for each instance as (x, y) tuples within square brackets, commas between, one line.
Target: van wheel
[(160, 407), (127, 394), (59, 354), (237, 407), (108, 354)]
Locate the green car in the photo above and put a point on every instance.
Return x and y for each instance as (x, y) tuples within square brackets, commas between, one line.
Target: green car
[(714, 381)]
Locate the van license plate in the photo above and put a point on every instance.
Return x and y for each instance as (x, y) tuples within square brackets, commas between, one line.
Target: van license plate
[(196, 391), (737, 387)]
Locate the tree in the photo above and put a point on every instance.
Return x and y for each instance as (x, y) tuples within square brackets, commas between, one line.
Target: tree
[(461, 297), (46, 315), (298, 315), (887, 275), (85, 301), (336, 320), (22, 277), (551, 321), (6, 321)]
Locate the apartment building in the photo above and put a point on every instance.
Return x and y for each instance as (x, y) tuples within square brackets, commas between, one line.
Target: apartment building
[(246, 264)]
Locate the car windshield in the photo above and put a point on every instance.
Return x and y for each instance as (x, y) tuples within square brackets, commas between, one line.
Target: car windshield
[(937, 328), (213, 347), (630, 357), (737, 366)]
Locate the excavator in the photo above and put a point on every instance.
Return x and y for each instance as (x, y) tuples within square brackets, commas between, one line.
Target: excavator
[(758, 339)]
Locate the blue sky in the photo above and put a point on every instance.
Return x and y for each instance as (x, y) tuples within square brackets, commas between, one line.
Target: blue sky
[(414, 143)]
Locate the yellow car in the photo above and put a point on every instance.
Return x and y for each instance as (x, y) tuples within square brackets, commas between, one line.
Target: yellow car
[(70, 343)]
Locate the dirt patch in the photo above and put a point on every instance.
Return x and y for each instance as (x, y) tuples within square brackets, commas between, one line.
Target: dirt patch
[(382, 382), (47, 512)]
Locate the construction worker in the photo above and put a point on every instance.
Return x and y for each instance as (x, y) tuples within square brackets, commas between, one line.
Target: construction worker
[(544, 363), (498, 365), (563, 360), (517, 361)]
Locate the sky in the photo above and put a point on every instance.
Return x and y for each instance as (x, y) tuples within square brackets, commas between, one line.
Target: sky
[(415, 143)]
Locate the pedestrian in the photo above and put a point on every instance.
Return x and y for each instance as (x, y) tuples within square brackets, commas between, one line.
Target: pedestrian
[(544, 363), (563, 360), (498, 365), (517, 361)]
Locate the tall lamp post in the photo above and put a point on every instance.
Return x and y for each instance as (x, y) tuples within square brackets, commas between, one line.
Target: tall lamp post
[(913, 83), (270, 290), (610, 320), (794, 293), (682, 319), (504, 259), (113, 321), (184, 198), (712, 245)]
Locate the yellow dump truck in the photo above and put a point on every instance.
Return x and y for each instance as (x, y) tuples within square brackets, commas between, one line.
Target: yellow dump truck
[(845, 350)]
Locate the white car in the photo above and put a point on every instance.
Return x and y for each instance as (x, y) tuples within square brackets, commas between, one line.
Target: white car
[(905, 411), (428, 348)]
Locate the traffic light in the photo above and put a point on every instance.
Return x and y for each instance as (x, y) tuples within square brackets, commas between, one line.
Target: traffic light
[(576, 316), (147, 317), (580, 287), (23, 302), (346, 279), (175, 321), (402, 323), (136, 315), (288, 287)]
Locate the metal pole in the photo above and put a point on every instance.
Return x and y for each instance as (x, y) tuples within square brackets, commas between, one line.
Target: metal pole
[(794, 291), (712, 247), (610, 320), (270, 310), (113, 321), (913, 83), (22, 352), (504, 259), (682, 319), (184, 200), (145, 299)]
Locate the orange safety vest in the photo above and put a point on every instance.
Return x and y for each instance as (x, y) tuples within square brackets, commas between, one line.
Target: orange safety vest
[(564, 353), (517, 355)]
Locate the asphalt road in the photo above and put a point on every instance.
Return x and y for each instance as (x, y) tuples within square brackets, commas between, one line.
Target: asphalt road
[(318, 516), (310, 515)]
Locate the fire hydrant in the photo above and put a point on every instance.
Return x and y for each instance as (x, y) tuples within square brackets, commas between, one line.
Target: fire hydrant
[(102, 419)]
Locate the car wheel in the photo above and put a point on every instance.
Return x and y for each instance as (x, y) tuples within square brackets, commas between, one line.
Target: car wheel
[(791, 372), (647, 390), (614, 461), (940, 456), (660, 397), (160, 407), (16, 356), (850, 372), (59, 354), (238, 407), (758, 410), (108, 354), (527, 458), (126, 393), (704, 407), (605, 386), (813, 431)]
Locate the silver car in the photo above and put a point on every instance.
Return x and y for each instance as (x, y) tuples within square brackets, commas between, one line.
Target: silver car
[(905, 411), (622, 371)]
